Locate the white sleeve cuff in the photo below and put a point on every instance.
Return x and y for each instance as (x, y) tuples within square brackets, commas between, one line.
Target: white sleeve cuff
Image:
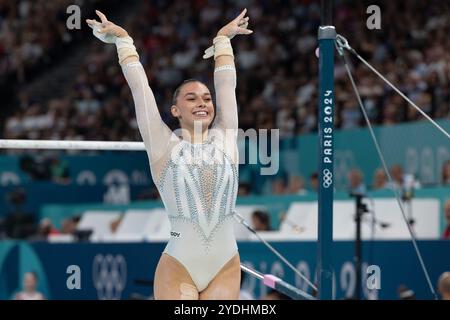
[(225, 67)]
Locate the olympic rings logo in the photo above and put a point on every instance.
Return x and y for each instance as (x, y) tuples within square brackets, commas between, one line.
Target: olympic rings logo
[(109, 274), (327, 178)]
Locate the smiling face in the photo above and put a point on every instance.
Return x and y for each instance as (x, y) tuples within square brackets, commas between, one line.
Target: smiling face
[(193, 103)]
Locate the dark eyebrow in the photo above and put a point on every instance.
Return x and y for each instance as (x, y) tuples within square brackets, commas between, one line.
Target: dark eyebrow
[(193, 93)]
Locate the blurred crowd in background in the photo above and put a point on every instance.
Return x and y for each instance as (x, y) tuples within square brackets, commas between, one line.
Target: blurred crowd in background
[(277, 67), (32, 34)]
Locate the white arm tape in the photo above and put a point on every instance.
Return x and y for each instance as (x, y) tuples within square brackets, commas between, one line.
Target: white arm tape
[(222, 47), (125, 48)]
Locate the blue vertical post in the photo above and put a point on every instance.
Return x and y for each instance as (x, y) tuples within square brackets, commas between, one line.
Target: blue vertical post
[(326, 37)]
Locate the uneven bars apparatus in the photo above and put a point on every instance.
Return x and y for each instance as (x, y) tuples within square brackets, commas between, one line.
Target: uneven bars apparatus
[(326, 38)]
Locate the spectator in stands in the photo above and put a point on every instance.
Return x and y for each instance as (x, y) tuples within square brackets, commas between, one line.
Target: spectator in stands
[(296, 185), (261, 221), (59, 170), (243, 189), (356, 182), (403, 181), (351, 115), (45, 230), (41, 167), (35, 166), (444, 285), (278, 186), (69, 225), (314, 181), (446, 234), (446, 173), (19, 223), (29, 292), (379, 180)]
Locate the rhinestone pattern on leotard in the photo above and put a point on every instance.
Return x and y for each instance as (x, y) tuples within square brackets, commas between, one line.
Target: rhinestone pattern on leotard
[(204, 180)]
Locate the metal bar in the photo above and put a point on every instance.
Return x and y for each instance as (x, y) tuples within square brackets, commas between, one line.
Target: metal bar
[(71, 145), (386, 170), (242, 221), (252, 272), (279, 285)]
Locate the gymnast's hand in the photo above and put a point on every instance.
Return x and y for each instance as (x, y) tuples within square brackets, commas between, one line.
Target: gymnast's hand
[(105, 30), (236, 26)]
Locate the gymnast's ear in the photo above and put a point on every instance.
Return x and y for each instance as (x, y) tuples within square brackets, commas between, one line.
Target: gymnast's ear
[(175, 111)]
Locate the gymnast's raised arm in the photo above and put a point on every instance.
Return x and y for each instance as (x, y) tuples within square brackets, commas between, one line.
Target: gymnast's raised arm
[(154, 131), (225, 73)]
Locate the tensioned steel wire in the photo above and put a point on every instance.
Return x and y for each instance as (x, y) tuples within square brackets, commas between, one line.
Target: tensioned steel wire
[(341, 44)]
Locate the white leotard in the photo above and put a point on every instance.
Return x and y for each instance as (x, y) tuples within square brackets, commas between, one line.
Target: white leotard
[(197, 182)]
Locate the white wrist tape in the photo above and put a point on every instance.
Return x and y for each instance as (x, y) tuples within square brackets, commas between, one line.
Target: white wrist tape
[(222, 47), (125, 48)]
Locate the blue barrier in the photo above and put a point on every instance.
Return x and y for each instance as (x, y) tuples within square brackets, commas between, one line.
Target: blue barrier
[(110, 270)]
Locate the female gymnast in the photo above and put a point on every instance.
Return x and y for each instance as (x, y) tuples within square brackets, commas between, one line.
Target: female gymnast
[(196, 172)]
